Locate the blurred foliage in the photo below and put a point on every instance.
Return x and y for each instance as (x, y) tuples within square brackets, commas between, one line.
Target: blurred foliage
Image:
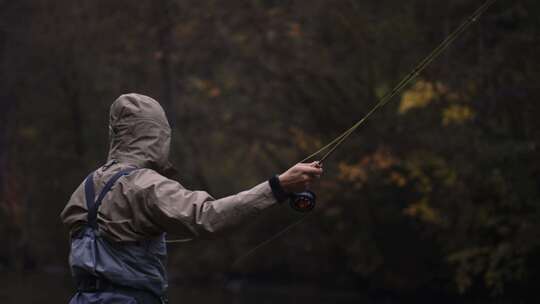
[(439, 191)]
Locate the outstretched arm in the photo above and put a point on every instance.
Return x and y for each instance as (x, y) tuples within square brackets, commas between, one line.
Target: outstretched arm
[(177, 210)]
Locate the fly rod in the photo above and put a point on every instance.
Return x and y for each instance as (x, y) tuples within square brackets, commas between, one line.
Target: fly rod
[(305, 201)]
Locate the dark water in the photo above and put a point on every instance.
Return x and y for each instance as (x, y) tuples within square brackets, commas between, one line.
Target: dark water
[(58, 288)]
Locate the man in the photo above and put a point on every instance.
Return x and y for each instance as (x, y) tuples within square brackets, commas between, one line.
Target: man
[(119, 215)]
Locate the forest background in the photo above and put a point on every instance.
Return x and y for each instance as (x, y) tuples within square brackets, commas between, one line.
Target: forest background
[(438, 194)]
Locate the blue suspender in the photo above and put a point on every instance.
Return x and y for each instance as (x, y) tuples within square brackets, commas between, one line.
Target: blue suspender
[(91, 203)]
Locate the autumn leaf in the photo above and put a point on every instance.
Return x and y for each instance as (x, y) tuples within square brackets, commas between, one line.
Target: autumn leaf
[(304, 141), (295, 31), (423, 211), (457, 114), (421, 94), (397, 179)]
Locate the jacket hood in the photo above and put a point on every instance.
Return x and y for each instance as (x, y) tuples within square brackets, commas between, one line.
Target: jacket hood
[(139, 132)]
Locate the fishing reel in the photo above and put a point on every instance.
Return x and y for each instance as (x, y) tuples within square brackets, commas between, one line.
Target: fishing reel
[(303, 201), (300, 201)]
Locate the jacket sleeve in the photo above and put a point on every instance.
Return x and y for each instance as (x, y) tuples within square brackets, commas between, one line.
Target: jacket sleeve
[(177, 210)]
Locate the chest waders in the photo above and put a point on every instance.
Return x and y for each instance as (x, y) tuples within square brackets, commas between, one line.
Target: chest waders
[(115, 272)]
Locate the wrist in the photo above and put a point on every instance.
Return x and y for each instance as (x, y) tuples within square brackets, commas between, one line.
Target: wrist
[(277, 189)]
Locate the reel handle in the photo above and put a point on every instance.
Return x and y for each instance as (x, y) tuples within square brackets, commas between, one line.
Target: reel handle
[(303, 201)]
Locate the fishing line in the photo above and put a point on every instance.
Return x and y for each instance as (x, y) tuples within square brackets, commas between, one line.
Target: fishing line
[(273, 237), (333, 145)]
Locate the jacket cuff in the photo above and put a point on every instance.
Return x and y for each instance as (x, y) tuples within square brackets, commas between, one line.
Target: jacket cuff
[(277, 190), (265, 196)]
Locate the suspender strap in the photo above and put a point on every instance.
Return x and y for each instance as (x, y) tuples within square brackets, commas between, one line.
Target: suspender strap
[(91, 203), (89, 191)]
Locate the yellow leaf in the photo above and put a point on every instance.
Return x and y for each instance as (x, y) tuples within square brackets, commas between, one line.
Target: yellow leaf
[(421, 94), (304, 141), (457, 114), (423, 211), (352, 173), (398, 179)]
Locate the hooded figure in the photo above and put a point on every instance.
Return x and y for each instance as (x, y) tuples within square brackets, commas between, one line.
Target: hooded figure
[(119, 215)]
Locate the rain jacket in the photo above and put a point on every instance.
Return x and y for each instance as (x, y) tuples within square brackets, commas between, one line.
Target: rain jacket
[(145, 203), (125, 245)]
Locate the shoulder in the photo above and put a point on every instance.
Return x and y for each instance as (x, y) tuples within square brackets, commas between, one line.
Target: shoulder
[(150, 179)]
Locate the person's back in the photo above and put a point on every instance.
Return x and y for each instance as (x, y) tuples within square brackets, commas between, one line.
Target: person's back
[(119, 215)]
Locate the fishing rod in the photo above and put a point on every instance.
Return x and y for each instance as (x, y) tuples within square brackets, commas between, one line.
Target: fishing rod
[(305, 201)]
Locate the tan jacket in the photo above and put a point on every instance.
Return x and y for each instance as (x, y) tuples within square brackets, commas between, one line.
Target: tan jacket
[(144, 203)]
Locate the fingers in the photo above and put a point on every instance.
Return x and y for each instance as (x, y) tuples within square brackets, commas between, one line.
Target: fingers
[(300, 176), (304, 165), (315, 164), (309, 175), (311, 170)]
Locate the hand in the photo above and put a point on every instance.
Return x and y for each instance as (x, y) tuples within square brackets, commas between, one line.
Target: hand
[(299, 177)]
